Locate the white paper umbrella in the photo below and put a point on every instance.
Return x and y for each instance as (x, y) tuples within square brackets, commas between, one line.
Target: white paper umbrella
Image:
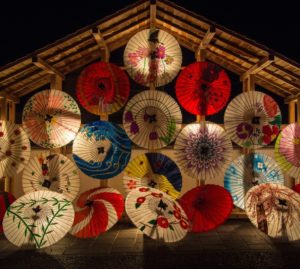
[(51, 118), (252, 119), (247, 171), (38, 219), (152, 119), (287, 150), (202, 150), (275, 210), (152, 56), (14, 149), (53, 172), (156, 214)]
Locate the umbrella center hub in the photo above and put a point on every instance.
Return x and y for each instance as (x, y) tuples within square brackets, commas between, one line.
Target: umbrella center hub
[(101, 150), (255, 120), (47, 183), (204, 87), (199, 203), (36, 210), (282, 204), (101, 86), (48, 118), (89, 203)]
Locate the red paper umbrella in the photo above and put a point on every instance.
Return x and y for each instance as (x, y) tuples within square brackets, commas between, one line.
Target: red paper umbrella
[(206, 207), (102, 88), (6, 199), (203, 88), (96, 211), (296, 188)]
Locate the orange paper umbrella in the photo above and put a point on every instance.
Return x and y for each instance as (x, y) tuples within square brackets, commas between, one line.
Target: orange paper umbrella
[(51, 118), (274, 209), (14, 149), (206, 207), (96, 211), (102, 88)]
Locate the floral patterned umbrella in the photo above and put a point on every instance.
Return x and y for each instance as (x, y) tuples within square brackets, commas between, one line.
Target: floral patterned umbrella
[(247, 171), (252, 119), (51, 118), (152, 56), (275, 210), (156, 214), (287, 150), (6, 199), (206, 207), (203, 88), (14, 149), (152, 119), (102, 88), (101, 149), (153, 170), (53, 172), (96, 211), (202, 150), (39, 219)]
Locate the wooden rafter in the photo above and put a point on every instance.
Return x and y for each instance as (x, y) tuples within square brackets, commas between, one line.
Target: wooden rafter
[(263, 63), (292, 98), (42, 64), (152, 12), (101, 43), (9, 97), (209, 35)]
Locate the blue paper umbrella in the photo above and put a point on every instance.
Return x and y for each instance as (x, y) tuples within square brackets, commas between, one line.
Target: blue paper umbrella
[(101, 149), (247, 171), (153, 170)]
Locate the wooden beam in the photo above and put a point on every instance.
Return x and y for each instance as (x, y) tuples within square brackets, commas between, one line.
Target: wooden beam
[(9, 97), (298, 110), (249, 83), (56, 82), (3, 109), (292, 112), (209, 35), (101, 44), (258, 66), (152, 13), (39, 62), (292, 98)]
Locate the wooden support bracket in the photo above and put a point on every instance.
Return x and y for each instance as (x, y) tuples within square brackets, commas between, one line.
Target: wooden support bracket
[(101, 44), (152, 13), (39, 62), (209, 35)]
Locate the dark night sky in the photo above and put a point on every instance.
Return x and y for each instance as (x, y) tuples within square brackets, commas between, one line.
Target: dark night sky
[(25, 28)]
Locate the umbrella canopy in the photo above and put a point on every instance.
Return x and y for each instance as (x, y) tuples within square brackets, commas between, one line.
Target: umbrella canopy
[(287, 150), (52, 172), (14, 149), (39, 219), (102, 88), (203, 88), (152, 56), (152, 119), (247, 171), (156, 214), (296, 188), (153, 170), (101, 149), (96, 211), (252, 119), (202, 150), (6, 199), (274, 209), (206, 207), (51, 118)]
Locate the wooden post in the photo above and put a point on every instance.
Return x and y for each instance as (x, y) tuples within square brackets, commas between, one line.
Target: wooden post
[(152, 13), (3, 109), (292, 112)]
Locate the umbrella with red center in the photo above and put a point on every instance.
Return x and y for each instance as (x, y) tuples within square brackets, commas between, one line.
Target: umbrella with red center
[(152, 119), (6, 199), (14, 149), (274, 209), (156, 214), (206, 207), (287, 150), (102, 88), (51, 118), (152, 56), (96, 211), (203, 88), (252, 119)]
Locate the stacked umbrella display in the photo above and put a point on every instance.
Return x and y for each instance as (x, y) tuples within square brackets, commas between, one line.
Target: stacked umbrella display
[(152, 181)]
